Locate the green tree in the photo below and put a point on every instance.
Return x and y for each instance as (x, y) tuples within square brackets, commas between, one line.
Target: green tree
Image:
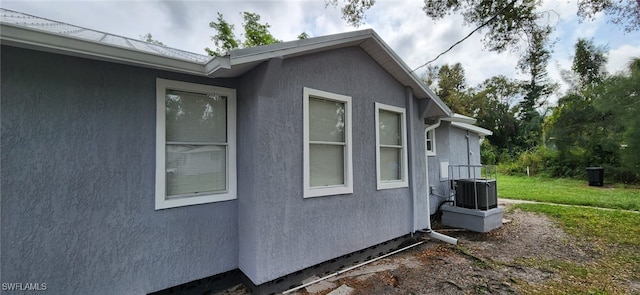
[(504, 20), (255, 33), (590, 124), (619, 95), (353, 10), (303, 36), (430, 77), (537, 89), (494, 106), (225, 39), (624, 13), (451, 87), (149, 38), (589, 63)]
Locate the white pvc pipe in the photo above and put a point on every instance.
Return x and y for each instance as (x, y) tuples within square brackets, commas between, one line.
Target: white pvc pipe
[(351, 268), (433, 234), (444, 238)]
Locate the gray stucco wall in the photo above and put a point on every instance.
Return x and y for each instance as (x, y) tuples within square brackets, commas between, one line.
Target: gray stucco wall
[(77, 183), (279, 231), (451, 146), (420, 161)]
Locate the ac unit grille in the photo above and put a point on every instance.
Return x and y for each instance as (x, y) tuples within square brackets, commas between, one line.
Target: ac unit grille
[(476, 193)]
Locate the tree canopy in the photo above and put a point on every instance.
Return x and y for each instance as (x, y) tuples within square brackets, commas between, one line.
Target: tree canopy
[(505, 22), (255, 34), (596, 123), (149, 38)]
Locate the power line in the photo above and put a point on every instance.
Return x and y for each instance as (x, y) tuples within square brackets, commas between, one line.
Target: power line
[(469, 35)]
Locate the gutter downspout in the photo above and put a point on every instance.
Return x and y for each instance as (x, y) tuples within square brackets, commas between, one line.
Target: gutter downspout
[(433, 234)]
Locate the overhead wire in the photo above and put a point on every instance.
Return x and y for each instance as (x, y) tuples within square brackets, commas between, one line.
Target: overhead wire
[(468, 35)]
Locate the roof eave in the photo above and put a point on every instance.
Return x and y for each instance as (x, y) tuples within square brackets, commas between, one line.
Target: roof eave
[(473, 128), (39, 40), (455, 117), (293, 48)]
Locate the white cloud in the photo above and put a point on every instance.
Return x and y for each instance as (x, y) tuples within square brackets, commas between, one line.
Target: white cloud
[(619, 58)]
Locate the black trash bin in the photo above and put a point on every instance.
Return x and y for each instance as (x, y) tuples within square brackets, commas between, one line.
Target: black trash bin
[(596, 176)]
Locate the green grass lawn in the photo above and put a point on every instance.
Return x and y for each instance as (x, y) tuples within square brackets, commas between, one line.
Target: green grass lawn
[(568, 191), (613, 234)]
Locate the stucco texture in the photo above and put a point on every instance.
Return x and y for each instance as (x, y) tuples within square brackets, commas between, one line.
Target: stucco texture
[(78, 176), (77, 183), (281, 232), (451, 147)]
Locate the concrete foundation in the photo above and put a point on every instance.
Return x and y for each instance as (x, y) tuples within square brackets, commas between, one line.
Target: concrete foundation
[(471, 219)]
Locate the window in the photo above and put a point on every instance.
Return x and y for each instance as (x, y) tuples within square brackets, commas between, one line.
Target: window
[(430, 142), (327, 144), (391, 147), (195, 144)]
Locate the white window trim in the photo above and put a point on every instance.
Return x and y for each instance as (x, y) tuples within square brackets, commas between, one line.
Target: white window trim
[(403, 182), (431, 152), (231, 193), (347, 187)]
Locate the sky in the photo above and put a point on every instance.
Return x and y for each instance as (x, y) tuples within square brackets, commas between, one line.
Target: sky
[(401, 23)]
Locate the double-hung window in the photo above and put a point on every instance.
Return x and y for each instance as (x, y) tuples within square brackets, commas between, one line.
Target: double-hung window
[(391, 147), (195, 144), (430, 142), (327, 144)]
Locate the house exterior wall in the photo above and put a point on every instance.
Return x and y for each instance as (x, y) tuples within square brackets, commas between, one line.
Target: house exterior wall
[(419, 160), (451, 147), (281, 232), (78, 178)]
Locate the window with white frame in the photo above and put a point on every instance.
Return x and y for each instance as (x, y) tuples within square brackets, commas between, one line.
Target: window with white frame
[(327, 144), (391, 147), (195, 144), (430, 142)]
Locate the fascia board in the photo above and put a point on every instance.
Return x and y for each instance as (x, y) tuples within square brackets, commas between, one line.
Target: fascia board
[(217, 63), (460, 119), (289, 51), (40, 40), (473, 128)]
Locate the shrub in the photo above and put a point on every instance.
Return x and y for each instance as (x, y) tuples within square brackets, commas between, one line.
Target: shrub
[(487, 153)]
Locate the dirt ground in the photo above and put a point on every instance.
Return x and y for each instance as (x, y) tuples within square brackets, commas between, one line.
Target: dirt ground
[(489, 263)]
